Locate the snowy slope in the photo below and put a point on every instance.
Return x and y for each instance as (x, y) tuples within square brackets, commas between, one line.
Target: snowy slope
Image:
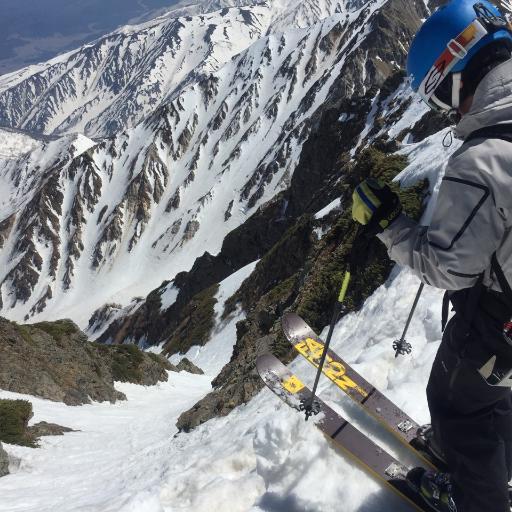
[(120, 451), (261, 457), (87, 222)]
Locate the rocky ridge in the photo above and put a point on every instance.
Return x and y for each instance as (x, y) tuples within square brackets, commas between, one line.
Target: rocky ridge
[(340, 124), (87, 222)]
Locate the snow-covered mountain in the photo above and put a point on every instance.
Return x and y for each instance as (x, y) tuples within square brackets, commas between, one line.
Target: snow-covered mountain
[(88, 222), (34, 32), (116, 81), (121, 78)]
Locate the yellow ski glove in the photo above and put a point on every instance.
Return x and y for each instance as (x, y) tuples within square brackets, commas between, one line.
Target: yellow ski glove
[(375, 205)]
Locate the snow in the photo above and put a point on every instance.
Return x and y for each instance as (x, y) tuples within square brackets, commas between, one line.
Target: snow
[(261, 457), (168, 296), (116, 459), (415, 111), (82, 144), (226, 159), (370, 118), (88, 101), (344, 117), (427, 160), (14, 144), (217, 352), (328, 209)]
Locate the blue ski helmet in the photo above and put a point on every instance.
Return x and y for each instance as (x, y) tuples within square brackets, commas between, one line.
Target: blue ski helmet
[(447, 42)]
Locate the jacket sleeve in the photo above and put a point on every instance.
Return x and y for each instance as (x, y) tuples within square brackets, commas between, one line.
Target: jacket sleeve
[(466, 229)]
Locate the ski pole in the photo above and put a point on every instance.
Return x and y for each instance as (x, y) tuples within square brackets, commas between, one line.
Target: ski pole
[(401, 346), (338, 308)]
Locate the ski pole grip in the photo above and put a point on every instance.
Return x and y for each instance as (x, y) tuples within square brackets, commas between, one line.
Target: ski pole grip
[(344, 287)]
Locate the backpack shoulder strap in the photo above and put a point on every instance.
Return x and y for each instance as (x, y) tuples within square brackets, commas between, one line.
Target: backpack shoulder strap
[(502, 280), (497, 131)]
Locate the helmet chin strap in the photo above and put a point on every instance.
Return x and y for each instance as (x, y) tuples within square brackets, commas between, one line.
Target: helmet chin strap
[(456, 86)]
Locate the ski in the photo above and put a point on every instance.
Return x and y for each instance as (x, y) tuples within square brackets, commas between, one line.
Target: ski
[(310, 346), (344, 437)]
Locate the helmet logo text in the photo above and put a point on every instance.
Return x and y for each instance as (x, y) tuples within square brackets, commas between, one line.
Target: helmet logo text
[(435, 77)]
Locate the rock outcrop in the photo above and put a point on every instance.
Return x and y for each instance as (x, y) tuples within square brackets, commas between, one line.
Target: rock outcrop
[(43, 428), (185, 365), (54, 360), (14, 429)]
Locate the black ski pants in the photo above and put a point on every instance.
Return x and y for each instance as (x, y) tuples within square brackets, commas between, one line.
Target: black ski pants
[(472, 420)]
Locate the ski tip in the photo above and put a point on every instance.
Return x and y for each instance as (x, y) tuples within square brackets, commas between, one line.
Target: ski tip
[(294, 327), (287, 320), (264, 362)]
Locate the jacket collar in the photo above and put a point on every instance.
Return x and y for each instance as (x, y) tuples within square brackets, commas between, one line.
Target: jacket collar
[(492, 103)]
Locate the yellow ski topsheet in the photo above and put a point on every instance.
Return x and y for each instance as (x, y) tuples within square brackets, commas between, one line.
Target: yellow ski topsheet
[(312, 350), (390, 416), (343, 436)]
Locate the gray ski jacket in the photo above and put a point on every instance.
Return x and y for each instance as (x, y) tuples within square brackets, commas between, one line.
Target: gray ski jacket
[(473, 215)]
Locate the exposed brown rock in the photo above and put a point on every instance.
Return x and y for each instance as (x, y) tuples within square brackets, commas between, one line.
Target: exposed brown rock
[(5, 228), (195, 323), (54, 360), (186, 365), (429, 124), (48, 429), (190, 230), (174, 202)]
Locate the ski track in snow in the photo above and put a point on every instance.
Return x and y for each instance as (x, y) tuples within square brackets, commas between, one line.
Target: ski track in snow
[(115, 462)]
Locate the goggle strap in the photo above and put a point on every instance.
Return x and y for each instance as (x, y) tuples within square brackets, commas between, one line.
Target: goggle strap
[(437, 104), (457, 50), (456, 83)]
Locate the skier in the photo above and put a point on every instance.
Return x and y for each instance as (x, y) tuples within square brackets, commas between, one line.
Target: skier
[(460, 60)]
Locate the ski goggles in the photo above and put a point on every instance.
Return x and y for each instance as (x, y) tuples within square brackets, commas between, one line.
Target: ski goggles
[(440, 89)]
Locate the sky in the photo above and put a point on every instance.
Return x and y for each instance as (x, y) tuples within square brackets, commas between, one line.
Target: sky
[(34, 31)]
